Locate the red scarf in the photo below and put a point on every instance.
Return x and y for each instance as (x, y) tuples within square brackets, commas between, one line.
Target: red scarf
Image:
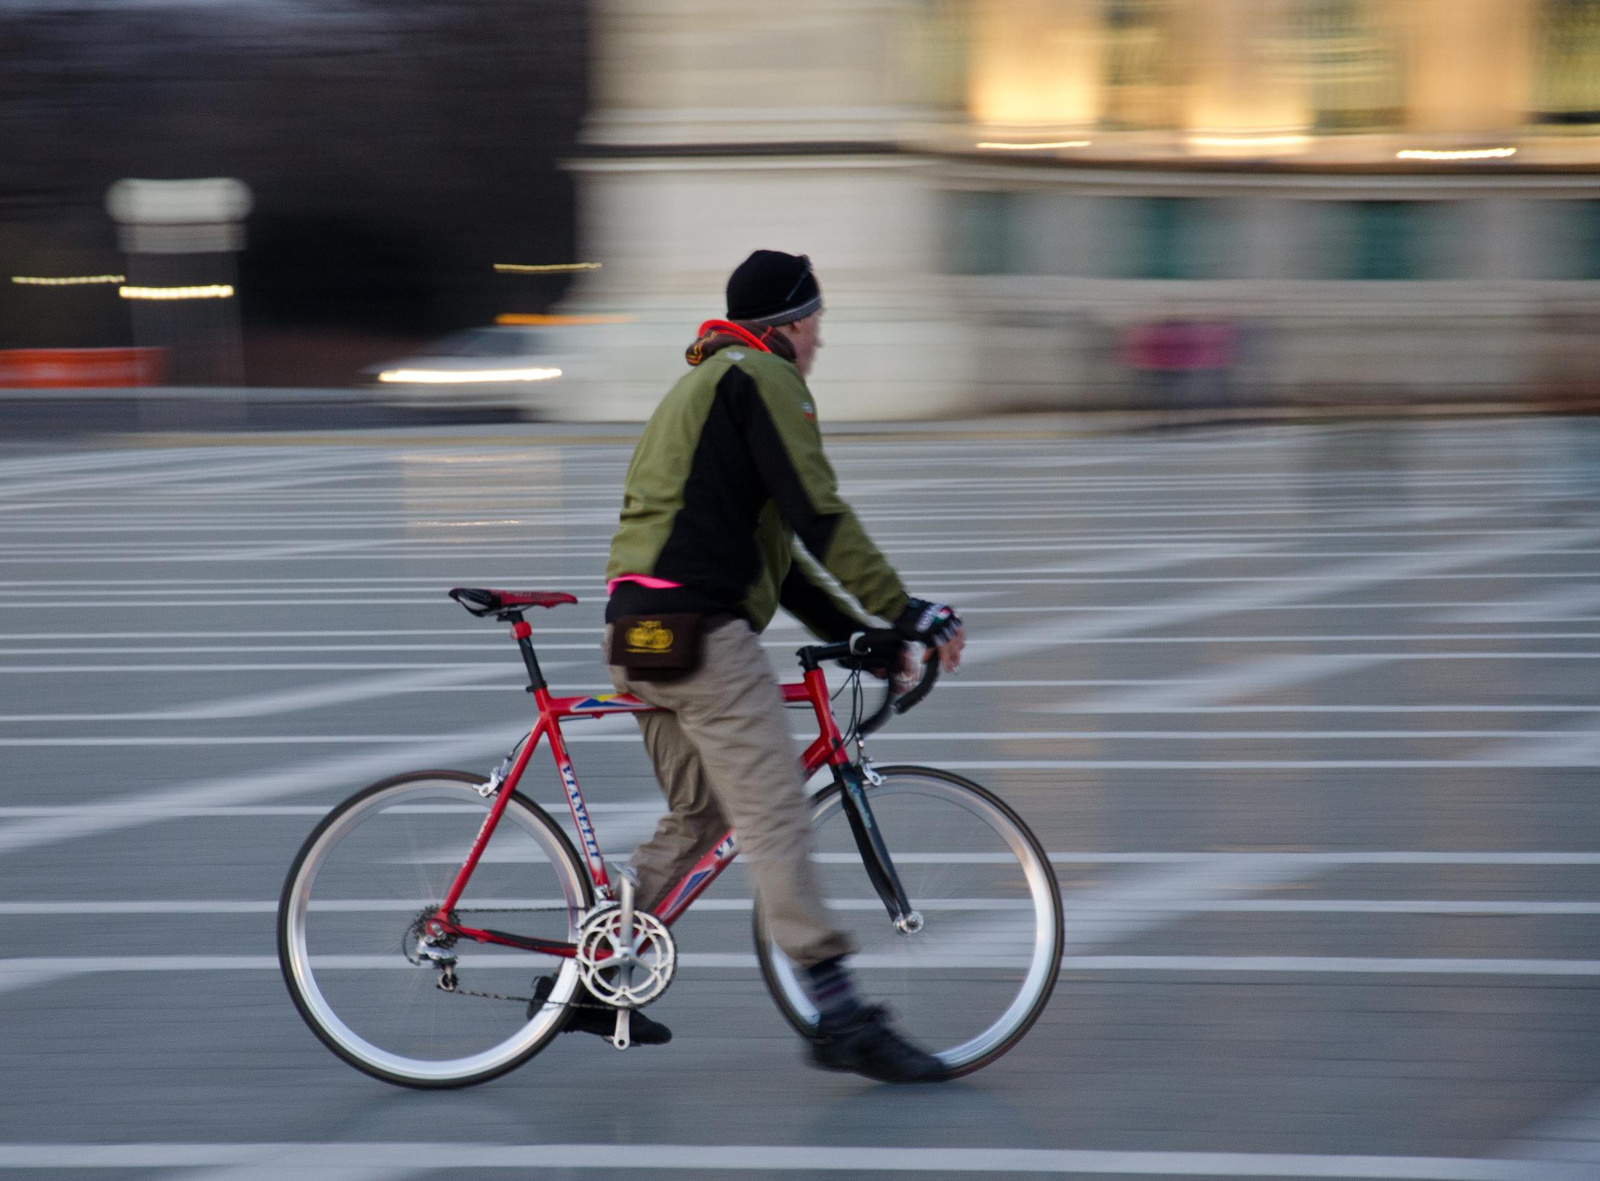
[(716, 335)]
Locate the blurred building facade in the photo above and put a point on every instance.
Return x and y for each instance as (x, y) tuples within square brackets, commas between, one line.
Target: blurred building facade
[(1075, 203)]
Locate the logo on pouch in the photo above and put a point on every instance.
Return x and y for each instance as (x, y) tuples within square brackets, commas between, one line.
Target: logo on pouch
[(649, 636)]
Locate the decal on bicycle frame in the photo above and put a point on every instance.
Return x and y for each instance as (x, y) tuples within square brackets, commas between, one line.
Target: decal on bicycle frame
[(603, 702), (581, 815), (709, 864)]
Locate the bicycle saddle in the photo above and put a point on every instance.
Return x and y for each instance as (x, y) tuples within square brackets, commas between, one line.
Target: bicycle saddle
[(481, 601)]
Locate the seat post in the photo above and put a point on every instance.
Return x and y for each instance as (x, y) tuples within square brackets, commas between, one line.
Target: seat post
[(521, 632)]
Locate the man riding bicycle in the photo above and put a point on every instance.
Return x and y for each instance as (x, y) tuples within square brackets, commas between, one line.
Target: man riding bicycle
[(729, 509)]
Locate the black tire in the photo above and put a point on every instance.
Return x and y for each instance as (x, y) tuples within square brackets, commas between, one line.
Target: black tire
[(300, 977), (1039, 899)]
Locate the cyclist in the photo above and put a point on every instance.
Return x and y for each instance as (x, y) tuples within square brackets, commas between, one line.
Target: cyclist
[(729, 508)]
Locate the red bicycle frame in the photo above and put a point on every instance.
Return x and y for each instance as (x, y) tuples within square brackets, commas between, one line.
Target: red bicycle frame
[(827, 749)]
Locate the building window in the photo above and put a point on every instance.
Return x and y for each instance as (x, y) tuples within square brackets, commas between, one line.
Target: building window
[(1568, 86), (1588, 253), (1381, 240), (984, 234), (936, 37), (1167, 238), (1143, 66), (1353, 62)]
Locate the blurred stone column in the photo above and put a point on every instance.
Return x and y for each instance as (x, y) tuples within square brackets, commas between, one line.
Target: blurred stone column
[(1038, 64), (1248, 96), (720, 127), (181, 238), (1469, 66)]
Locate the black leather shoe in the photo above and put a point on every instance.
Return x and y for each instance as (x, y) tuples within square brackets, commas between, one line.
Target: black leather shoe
[(866, 1044), (602, 1020)]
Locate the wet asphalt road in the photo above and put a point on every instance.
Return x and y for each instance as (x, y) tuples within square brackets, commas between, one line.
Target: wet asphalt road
[(1307, 716)]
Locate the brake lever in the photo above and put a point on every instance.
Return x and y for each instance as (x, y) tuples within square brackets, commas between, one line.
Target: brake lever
[(911, 697), (898, 705)]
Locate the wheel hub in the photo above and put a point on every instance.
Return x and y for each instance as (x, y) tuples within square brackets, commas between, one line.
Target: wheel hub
[(425, 944)]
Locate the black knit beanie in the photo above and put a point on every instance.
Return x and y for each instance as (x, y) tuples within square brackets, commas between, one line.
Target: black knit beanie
[(771, 287)]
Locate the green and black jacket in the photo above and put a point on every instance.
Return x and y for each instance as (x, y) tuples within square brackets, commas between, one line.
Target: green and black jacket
[(728, 476)]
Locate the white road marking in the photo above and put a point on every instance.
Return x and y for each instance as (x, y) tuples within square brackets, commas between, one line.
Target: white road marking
[(1129, 557), (29, 966), (1263, 708), (1563, 750), (558, 808), (779, 623), (1246, 678), (301, 1159), (1358, 965), (1189, 735), (505, 735), (973, 645), (499, 667), (1134, 903), (258, 705), (346, 772), (268, 1169), (195, 470), (1585, 757), (1567, 746), (1565, 603), (451, 559), (1081, 906), (1422, 906), (1571, 1136), (1532, 761)]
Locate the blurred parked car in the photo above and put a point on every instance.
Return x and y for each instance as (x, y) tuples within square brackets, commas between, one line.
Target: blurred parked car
[(501, 366)]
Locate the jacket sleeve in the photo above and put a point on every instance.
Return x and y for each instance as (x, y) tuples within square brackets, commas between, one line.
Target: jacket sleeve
[(781, 429), (806, 595)]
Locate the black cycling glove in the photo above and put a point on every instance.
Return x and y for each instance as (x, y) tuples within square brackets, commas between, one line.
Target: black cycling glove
[(928, 623)]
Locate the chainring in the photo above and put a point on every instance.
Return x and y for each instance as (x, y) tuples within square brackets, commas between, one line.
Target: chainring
[(625, 985)]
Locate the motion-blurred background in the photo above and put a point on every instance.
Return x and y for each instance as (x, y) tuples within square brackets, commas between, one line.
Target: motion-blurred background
[(1012, 204)]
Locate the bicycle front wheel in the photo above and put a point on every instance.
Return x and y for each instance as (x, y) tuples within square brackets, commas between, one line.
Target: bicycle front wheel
[(978, 973), (348, 924)]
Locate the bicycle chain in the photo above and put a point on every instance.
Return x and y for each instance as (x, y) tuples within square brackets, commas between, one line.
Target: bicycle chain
[(522, 1000)]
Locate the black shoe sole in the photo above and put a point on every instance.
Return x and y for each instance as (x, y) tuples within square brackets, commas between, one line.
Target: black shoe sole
[(642, 1031), (820, 1063)]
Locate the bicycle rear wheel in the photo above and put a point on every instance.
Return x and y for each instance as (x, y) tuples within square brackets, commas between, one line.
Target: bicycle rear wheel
[(379, 863), (967, 986)]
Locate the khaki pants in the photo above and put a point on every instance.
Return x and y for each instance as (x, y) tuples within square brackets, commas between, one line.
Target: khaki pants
[(725, 760)]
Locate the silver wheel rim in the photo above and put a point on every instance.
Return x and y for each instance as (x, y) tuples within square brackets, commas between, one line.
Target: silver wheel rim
[(1044, 960), (299, 962)]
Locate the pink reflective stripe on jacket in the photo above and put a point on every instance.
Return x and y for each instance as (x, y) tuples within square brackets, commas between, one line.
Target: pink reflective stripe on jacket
[(643, 580)]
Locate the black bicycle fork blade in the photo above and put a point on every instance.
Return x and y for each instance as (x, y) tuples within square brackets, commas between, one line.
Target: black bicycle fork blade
[(870, 843)]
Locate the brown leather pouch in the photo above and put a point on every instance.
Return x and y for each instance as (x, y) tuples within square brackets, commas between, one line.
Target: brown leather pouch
[(656, 647)]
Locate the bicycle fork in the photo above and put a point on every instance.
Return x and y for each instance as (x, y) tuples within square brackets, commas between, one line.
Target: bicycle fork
[(853, 781)]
